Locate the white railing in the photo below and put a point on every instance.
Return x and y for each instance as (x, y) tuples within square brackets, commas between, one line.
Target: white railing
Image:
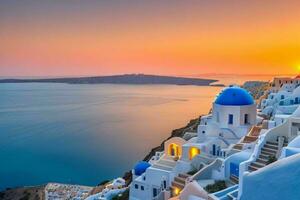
[(156, 157)]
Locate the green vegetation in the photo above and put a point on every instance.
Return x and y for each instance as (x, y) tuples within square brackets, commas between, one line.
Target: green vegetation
[(271, 159), (192, 172), (122, 196), (217, 186)]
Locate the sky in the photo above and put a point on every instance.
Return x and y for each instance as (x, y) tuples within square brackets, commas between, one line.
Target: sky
[(82, 38)]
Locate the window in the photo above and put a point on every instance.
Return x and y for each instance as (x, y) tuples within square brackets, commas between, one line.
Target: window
[(230, 119), (154, 192), (203, 132), (282, 96), (136, 186), (142, 187), (194, 151), (246, 119), (214, 150)]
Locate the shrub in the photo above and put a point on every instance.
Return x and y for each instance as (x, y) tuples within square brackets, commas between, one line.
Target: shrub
[(192, 172), (271, 159), (217, 186)]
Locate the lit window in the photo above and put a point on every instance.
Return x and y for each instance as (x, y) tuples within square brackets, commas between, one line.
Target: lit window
[(193, 152)]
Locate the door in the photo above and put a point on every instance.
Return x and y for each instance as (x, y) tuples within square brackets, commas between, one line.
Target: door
[(234, 169)]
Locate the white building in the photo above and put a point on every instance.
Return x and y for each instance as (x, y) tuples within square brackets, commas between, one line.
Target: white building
[(276, 138), (233, 114)]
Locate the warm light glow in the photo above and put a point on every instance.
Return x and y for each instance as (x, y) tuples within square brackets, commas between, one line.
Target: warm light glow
[(298, 68), (176, 191), (55, 38), (193, 152), (174, 150)]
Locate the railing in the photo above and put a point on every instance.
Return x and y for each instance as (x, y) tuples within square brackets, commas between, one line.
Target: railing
[(156, 157), (231, 131), (206, 172)]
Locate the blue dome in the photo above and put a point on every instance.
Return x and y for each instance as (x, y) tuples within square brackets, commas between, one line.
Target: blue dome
[(234, 96), (140, 168)]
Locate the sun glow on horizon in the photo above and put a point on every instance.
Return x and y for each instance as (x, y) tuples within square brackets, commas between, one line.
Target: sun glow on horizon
[(57, 38)]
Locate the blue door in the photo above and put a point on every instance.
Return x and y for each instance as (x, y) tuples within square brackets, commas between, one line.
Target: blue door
[(234, 169)]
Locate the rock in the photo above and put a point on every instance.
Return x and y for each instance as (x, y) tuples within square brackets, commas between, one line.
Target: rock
[(188, 135)]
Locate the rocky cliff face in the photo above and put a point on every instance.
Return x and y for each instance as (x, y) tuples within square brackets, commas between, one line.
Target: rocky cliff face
[(256, 88), (24, 193)]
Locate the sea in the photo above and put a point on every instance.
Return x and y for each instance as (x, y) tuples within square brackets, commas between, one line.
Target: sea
[(86, 133)]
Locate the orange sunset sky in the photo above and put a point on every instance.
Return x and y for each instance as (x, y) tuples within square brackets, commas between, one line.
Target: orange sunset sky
[(80, 38)]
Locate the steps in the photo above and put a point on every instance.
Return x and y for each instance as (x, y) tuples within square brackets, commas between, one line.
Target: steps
[(165, 164), (234, 179), (238, 146), (251, 137), (178, 183), (268, 150), (163, 167)]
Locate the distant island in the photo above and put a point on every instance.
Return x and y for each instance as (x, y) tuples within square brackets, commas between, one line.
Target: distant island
[(120, 79)]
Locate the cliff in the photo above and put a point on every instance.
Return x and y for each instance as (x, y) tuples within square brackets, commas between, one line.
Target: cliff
[(119, 79)]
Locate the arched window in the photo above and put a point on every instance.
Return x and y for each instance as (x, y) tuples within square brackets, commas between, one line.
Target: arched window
[(173, 150)]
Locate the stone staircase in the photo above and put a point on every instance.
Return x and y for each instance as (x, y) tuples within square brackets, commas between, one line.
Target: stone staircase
[(268, 151), (165, 164), (178, 183), (234, 179), (251, 137)]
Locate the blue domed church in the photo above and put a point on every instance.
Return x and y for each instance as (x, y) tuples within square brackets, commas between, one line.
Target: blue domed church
[(234, 107), (233, 115)]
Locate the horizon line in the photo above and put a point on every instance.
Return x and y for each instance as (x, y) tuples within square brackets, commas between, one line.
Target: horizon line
[(116, 74)]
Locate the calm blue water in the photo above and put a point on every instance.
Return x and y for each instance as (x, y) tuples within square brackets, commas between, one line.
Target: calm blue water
[(83, 134)]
